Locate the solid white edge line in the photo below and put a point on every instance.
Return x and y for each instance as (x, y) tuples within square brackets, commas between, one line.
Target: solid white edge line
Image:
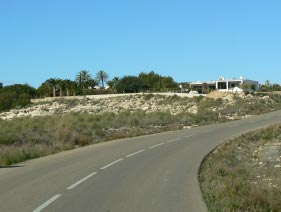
[(156, 145), (110, 164), (80, 181), (130, 155), (177, 139), (45, 204)]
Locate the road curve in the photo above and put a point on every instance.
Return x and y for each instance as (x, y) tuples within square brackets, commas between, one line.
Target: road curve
[(156, 173)]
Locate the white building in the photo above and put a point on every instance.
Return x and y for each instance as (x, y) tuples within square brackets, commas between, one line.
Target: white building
[(227, 85)]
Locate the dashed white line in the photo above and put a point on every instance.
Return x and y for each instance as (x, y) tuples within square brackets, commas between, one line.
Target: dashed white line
[(233, 126), (252, 122), (177, 139), (50, 201), (130, 155), (81, 181), (110, 164), (208, 131), (156, 145), (188, 136)]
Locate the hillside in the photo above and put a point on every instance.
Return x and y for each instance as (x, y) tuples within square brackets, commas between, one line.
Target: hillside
[(221, 103)]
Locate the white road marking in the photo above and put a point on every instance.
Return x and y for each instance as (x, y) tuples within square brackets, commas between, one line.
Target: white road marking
[(130, 155), (233, 126), (81, 181), (188, 136), (209, 131), (253, 122), (110, 164), (177, 139), (267, 118), (156, 145), (50, 201)]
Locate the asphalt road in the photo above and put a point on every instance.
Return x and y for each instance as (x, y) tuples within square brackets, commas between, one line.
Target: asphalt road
[(155, 173)]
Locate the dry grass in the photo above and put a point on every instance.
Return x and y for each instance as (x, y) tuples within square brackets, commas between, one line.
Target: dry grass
[(26, 138), (244, 174)]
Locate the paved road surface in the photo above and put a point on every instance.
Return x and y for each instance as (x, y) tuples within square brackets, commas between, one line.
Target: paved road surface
[(156, 173)]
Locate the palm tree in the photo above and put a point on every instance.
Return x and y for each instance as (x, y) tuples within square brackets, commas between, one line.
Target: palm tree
[(82, 79), (73, 87), (52, 82), (45, 90), (67, 84), (61, 86), (102, 77)]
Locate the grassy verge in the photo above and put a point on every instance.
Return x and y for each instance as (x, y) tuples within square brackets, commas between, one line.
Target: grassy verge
[(244, 174), (26, 138)]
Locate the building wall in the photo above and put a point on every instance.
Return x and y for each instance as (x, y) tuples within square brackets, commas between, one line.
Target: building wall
[(227, 85)]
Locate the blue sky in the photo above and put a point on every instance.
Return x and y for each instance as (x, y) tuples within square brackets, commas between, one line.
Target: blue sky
[(188, 40)]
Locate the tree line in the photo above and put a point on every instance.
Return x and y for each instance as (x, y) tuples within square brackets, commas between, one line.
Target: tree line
[(85, 83)]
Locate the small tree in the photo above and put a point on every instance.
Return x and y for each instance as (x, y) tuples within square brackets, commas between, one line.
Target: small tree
[(130, 84), (82, 79), (92, 83), (113, 83), (102, 77), (253, 87), (244, 86)]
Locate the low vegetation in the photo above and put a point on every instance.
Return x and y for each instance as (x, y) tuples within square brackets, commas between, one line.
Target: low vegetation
[(244, 174), (94, 120), (26, 138)]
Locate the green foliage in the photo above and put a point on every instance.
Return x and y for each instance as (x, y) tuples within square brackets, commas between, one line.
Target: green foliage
[(253, 87), (152, 80), (169, 83), (45, 89), (82, 79), (102, 77), (7, 100), (112, 83), (17, 95), (185, 85), (130, 84), (19, 89), (155, 82), (268, 87)]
